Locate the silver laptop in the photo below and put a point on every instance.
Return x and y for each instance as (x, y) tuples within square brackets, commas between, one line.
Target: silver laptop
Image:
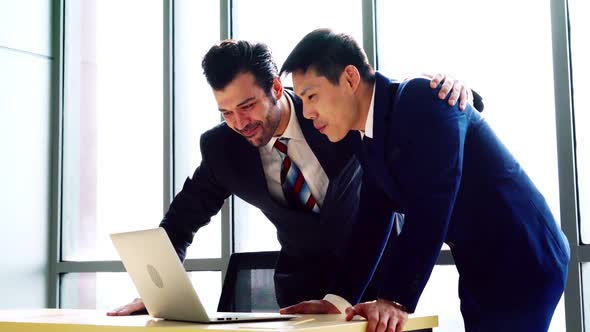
[(162, 281)]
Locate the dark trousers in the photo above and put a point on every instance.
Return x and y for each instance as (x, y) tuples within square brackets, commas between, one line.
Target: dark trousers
[(522, 301), (530, 314)]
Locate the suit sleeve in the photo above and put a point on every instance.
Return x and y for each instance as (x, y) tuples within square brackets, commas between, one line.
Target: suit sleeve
[(430, 173), (201, 197), (365, 248)]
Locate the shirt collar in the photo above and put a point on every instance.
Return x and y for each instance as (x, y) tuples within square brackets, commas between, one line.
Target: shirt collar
[(293, 130), (369, 123)]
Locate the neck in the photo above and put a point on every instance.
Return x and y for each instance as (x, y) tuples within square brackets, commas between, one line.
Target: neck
[(365, 94), (285, 111)]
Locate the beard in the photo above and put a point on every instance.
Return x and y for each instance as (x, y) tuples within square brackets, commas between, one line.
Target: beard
[(269, 125)]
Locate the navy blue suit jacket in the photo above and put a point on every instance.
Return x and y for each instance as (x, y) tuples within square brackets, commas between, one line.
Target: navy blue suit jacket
[(456, 183)]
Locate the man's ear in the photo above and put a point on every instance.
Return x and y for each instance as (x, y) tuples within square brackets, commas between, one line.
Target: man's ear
[(277, 88), (351, 77)]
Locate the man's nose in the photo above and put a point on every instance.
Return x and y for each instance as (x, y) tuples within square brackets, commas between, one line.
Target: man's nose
[(309, 112), (241, 121)]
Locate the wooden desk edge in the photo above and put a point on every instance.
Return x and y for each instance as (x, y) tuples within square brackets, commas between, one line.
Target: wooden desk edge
[(413, 323)]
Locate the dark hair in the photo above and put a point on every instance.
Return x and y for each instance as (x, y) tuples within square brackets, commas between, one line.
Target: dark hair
[(225, 61), (328, 53)]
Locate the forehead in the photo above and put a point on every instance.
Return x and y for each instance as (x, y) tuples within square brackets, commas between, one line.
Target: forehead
[(242, 87), (304, 81)]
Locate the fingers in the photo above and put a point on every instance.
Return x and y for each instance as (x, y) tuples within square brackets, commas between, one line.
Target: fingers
[(463, 99), (114, 312), (294, 309), (330, 308), (379, 318), (455, 93), (401, 322), (383, 321), (391, 326), (391, 322), (121, 311), (446, 87), (350, 313), (128, 309), (435, 80), (427, 75), (372, 318), (458, 92), (359, 309), (311, 307)]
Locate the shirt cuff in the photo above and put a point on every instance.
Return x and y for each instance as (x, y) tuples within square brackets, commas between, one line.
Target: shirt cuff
[(339, 302)]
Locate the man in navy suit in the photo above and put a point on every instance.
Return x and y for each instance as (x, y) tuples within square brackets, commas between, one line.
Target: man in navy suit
[(455, 182), (245, 155)]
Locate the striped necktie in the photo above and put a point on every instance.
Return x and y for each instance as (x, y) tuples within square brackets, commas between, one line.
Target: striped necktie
[(294, 186)]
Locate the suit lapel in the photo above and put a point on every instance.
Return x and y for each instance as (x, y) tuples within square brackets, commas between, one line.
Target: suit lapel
[(376, 151), (383, 106), (374, 148)]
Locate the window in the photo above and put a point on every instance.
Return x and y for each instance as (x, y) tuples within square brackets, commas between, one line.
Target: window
[(115, 133), (114, 138), (580, 51), (253, 231), (195, 108), (107, 291), (509, 64), (113, 126)]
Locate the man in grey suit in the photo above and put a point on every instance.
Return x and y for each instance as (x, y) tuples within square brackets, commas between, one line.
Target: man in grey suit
[(268, 154)]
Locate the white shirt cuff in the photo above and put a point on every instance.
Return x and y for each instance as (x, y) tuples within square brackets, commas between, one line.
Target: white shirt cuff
[(339, 302)]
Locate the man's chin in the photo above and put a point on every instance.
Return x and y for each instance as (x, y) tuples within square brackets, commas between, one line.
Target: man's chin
[(334, 138), (255, 144), (258, 141)]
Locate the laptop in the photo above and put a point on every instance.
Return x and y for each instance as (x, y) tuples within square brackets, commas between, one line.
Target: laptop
[(164, 285)]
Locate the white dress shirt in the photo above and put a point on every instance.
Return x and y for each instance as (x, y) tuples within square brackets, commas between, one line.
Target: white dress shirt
[(301, 154), (369, 123)]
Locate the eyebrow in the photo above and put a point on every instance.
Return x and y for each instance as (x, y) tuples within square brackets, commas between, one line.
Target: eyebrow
[(245, 101), (303, 92)]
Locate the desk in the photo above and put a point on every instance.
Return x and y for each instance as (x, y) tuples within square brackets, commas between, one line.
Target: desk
[(71, 320)]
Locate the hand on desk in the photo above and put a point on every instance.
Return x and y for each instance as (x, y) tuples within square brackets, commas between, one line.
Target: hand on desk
[(381, 316), (136, 307), (311, 307)]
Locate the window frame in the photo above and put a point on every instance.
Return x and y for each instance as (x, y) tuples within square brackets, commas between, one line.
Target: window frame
[(564, 111)]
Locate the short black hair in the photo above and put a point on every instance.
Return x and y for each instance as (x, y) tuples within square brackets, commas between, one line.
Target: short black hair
[(328, 53), (225, 61)]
